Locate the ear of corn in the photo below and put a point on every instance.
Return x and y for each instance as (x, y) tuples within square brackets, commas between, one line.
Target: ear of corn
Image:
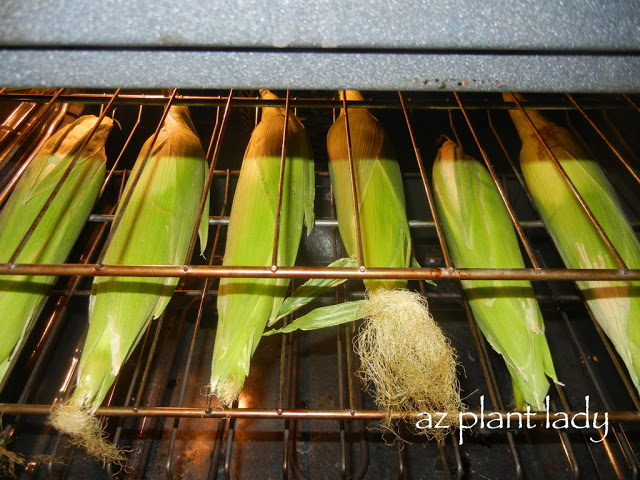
[(21, 297), (155, 228), (244, 304), (615, 305), (473, 216), (383, 222), (405, 373)]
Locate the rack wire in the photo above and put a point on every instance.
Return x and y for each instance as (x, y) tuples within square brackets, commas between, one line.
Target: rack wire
[(156, 407)]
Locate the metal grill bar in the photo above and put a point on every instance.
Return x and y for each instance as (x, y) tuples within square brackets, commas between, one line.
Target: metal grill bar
[(200, 271), (124, 202), (13, 176), (631, 102), (503, 196), (283, 156), (222, 424), (323, 222), (273, 414), (4, 154), (434, 101), (492, 384), (615, 180), (188, 363), (605, 139), (212, 165), (427, 189), (117, 162), (352, 178)]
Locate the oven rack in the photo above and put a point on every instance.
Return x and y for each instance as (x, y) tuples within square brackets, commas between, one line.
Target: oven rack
[(534, 273), (351, 408)]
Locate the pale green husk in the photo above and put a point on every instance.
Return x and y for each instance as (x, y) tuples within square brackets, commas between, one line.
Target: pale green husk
[(246, 304), (615, 305), (21, 297), (383, 223), (154, 229), (473, 216)]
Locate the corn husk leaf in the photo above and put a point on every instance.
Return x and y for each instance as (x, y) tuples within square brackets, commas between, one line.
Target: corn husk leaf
[(328, 316), (473, 216), (246, 304), (312, 289), (21, 297), (154, 229), (615, 305), (383, 223)]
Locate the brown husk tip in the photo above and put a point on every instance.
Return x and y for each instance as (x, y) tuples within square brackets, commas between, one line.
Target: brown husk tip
[(407, 363), (84, 431)]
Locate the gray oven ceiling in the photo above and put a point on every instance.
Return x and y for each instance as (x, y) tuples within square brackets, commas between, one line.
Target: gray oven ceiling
[(534, 45)]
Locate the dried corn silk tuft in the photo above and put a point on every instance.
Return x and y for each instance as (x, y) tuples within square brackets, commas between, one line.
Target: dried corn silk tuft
[(407, 363)]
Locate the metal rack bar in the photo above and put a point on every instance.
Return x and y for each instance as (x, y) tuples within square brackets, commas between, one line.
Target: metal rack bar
[(503, 196), (124, 202), (427, 189), (136, 373), (15, 139), (183, 388), (341, 379), (120, 155), (202, 271), (329, 223), (432, 101), (352, 177), (289, 351), (283, 156), (492, 383), (187, 367), (222, 424), (631, 102), (212, 165), (604, 138), (615, 182), (16, 173)]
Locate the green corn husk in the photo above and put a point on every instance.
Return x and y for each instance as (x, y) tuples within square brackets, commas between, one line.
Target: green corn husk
[(155, 228), (473, 216), (244, 304), (383, 222), (615, 305), (21, 297)]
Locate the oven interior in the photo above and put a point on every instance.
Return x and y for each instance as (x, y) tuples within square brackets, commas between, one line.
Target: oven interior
[(303, 412)]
